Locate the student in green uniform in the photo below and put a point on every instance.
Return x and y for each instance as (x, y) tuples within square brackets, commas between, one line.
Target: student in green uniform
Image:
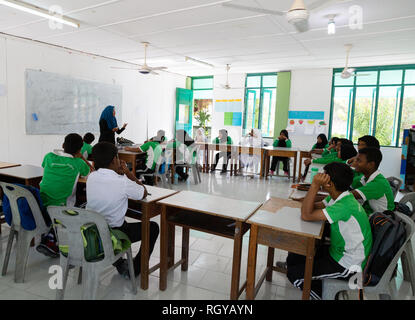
[(58, 185), (350, 232), (346, 152), (363, 142), (186, 152), (331, 148), (319, 147), (282, 141), (86, 150), (223, 138), (373, 189)]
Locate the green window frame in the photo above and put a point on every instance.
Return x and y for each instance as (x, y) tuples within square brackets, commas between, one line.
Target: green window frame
[(257, 115), (377, 110)]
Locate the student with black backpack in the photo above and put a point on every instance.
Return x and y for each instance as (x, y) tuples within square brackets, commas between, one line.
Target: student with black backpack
[(350, 233)]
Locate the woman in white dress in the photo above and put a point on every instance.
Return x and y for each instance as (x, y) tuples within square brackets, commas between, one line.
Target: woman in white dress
[(253, 139), (200, 138)]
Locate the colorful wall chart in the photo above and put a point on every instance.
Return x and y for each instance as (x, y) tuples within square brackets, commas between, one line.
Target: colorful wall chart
[(228, 105), (233, 118), (306, 122)]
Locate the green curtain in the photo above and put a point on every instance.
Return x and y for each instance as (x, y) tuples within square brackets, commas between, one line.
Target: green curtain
[(283, 102)]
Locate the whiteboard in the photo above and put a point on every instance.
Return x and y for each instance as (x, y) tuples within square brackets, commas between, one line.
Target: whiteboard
[(58, 104)]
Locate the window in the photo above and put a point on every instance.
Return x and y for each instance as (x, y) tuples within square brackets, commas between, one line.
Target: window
[(202, 103), (378, 101), (260, 103)]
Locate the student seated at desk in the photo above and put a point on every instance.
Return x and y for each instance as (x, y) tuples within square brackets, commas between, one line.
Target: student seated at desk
[(223, 138), (346, 152), (333, 155), (86, 150), (365, 142), (160, 137), (319, 147), (201, 138), (108, 190), (185, 144), (350, 231), (331, 148), (58, 185), (252, 139), (153, 151), (372, 189), (283, 141)]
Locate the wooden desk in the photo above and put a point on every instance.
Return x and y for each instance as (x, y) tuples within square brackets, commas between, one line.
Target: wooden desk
[(207, 213), (149, 209), (4, 165), (280, 152), (283, 229), (27, 175), (234, 150), (130, 157), (254, 151)]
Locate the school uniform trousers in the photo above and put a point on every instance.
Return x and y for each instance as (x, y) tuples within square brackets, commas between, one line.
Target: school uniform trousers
[(226, 156), (285, 162), (324, 267), (133, 231)]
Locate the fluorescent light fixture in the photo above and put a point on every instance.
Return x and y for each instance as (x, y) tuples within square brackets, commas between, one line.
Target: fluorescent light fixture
[(331, 28), (39, 12), (198, 62)]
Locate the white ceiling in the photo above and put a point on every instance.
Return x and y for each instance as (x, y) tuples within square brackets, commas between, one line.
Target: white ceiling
[(205, 30)]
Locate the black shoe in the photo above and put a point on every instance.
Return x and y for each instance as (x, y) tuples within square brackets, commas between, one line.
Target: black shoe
[(48, 250), (122, 268), (223, 172), (281, 266)]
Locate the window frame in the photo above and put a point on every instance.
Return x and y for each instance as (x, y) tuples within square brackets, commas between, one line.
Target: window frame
[(261, 89), (398, 109)]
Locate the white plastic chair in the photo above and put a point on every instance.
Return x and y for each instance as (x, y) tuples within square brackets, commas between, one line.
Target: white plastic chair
[(409, 200), (164, 177), (23, 237), (386, 287), (395, 184), (184, 158), (68, 231)]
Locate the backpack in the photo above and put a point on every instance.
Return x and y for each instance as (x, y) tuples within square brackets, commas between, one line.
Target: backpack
[(403, 208), (388, 235), (27, 221)]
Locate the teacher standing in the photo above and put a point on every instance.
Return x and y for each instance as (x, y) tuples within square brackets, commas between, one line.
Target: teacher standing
[(108, 125)]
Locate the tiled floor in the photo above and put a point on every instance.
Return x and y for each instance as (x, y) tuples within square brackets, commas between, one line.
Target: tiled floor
[(210, 263)]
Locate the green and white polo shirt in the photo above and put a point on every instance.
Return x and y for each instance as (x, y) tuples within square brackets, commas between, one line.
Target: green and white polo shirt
[(61, 172), (376, 193), (86, 150), (350, 232), (153, 151)]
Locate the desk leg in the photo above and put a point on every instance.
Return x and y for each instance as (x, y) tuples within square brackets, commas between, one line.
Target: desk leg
[(270, 263), (261, 172), (251, 269), (172, 173), (267, 161), (295, 168), (185, 248), (134, 165), (308, 271), (171, 228), (300, 174), (145, 247), (236, 262), (163, 249)]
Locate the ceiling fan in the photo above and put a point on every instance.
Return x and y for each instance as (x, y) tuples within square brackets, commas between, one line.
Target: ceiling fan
[(349, 72), (227, 86), (145, 69), (297, 15)]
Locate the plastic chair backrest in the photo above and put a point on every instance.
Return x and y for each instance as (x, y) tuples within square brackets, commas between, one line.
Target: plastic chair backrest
[(68, 230), (14, 193), (409, 198), (395, 184), (410, 228)]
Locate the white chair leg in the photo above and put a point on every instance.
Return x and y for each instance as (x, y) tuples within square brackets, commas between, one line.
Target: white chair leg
[(23, 244), (65, 271), (90, 282), (131, 269), (8, 251)]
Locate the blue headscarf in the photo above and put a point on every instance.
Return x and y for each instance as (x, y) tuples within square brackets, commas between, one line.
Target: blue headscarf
[(108, 116)]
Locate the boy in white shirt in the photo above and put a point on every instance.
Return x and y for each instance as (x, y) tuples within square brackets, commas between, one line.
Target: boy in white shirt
[(108, 190)]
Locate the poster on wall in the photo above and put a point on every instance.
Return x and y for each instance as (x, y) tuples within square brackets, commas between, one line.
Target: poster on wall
[(306, 123)]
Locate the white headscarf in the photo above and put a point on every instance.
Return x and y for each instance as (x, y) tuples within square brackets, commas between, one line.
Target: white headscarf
[(200, 135)]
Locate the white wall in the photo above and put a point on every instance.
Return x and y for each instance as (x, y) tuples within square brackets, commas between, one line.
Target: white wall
[(311, 91), (237, 83), (140, 93)]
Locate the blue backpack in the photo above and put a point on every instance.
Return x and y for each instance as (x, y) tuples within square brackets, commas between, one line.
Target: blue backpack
[(26, 216)]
